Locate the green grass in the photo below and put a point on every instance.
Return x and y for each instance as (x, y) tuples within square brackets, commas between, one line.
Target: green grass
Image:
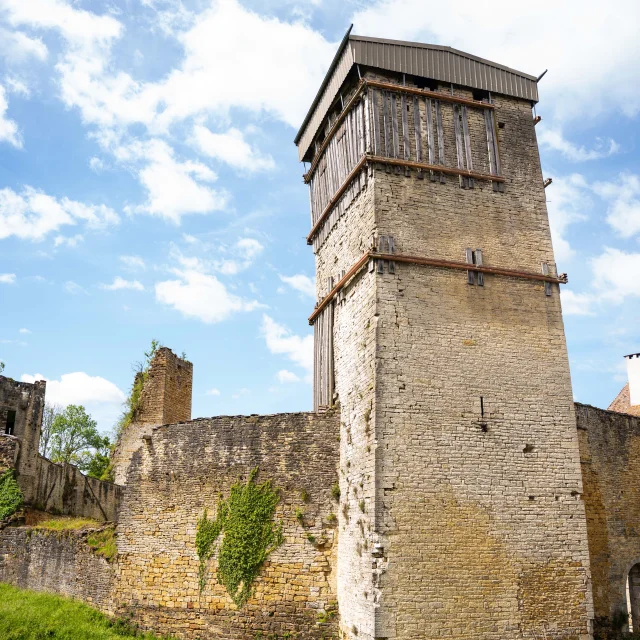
[(66, 523), (103, 543), (29, 615)]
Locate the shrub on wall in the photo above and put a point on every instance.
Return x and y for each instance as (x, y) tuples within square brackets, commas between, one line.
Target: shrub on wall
[(10, 495), (249, 534)]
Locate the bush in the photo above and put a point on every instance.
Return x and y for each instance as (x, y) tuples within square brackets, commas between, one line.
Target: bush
[(10, 495)]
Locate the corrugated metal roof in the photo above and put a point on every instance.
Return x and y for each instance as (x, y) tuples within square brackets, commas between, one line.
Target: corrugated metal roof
[(426, 60)]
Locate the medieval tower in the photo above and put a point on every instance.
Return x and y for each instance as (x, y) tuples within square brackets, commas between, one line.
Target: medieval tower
[(439, 332)]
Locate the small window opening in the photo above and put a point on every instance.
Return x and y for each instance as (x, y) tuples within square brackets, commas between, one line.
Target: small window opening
[(481, 95), (481, 401), (11, 423), (633, 598), (500, 125), (426, 83)]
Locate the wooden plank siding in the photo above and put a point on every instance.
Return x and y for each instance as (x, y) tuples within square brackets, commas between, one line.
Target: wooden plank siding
[(376, 124)]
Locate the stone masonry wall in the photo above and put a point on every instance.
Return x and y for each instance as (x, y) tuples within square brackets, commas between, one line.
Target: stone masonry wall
[(55, 561), (63, 488), (481, 518), (27, 400), (610, 458), (166, 398), (9, 448), (180, 470), (355, 321)]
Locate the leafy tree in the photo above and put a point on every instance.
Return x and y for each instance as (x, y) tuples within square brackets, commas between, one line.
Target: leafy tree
[(49, 415), (75, 438), (100, 465), (1, 366)]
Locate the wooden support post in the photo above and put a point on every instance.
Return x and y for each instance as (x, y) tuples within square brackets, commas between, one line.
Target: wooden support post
[(547, 182), (441, 159), (471, 275), (477, 255)]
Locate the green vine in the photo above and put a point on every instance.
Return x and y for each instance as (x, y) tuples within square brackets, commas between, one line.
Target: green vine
[(249, 535), (10, 495)]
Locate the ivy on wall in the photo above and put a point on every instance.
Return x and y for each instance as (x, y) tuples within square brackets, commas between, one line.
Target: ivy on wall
[(10, 495), (249, 534)]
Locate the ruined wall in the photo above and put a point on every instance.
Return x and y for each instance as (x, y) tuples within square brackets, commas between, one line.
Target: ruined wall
[(9, 449), (166, 398), (481, 518), (63, 488), (57, 561), (182, 469), (27, 400), (610, 459)]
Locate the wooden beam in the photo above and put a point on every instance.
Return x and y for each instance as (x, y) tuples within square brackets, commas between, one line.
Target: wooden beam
[(336, 197), (429, 262), (445, 97), (307, 176), (435, 167)]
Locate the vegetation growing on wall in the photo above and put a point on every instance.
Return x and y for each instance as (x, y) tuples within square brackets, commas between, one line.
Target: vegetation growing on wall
[(249, 534), (10, 495), (132, 403)]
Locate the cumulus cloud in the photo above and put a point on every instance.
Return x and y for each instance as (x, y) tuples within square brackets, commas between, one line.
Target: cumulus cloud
[(32, 214), (72, 241), (7, 278), (567, 201), (232, 148), (281, 341), (74, 288), (102, 398), (196, 293), (133, 262), (17, 47), (616, 274), (300, 282), (623, 196), (24, 331), (8, 128), (174, 188), (213, 392), (554, 140), (120, 283), (577, 304), (522, 36), (285, 376)]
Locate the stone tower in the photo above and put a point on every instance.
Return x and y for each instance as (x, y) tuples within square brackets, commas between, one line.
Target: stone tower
[(165, 399), (438, 330)]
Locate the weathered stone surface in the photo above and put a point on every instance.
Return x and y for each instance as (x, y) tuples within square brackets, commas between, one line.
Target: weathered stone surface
[(610, 458)]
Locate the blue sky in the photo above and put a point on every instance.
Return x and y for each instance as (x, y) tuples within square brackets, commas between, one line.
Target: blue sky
[(149, 185)]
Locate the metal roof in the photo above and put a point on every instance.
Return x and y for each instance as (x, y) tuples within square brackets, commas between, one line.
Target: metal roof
[(426, 60)]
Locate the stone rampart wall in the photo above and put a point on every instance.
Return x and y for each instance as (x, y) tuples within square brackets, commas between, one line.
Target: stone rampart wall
[(56, 561), (610, 458), (182, 469), (64, 489)]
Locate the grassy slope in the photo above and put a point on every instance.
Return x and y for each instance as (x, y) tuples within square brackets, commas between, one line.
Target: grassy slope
[(28, 615)]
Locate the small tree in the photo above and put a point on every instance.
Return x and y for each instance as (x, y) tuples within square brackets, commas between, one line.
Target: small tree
[(1, 366), (75, 438), (48, 417)]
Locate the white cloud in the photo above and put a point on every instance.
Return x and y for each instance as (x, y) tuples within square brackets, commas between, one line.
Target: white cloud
[(14, 84), (554, 140), (587, 52), (232, 148), (133, 262), (568, 199), (199, 294), (301, 283), (213, 392), (120, 283), (8, 128), (577, 304), (623, 195), (32, 214), (174, 188), (616, 275), (17, 47), (72, 241), (24, 331), (285, 376), (7, 278), (281, 341), (96, 164), (101, 398), (74, 288)]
